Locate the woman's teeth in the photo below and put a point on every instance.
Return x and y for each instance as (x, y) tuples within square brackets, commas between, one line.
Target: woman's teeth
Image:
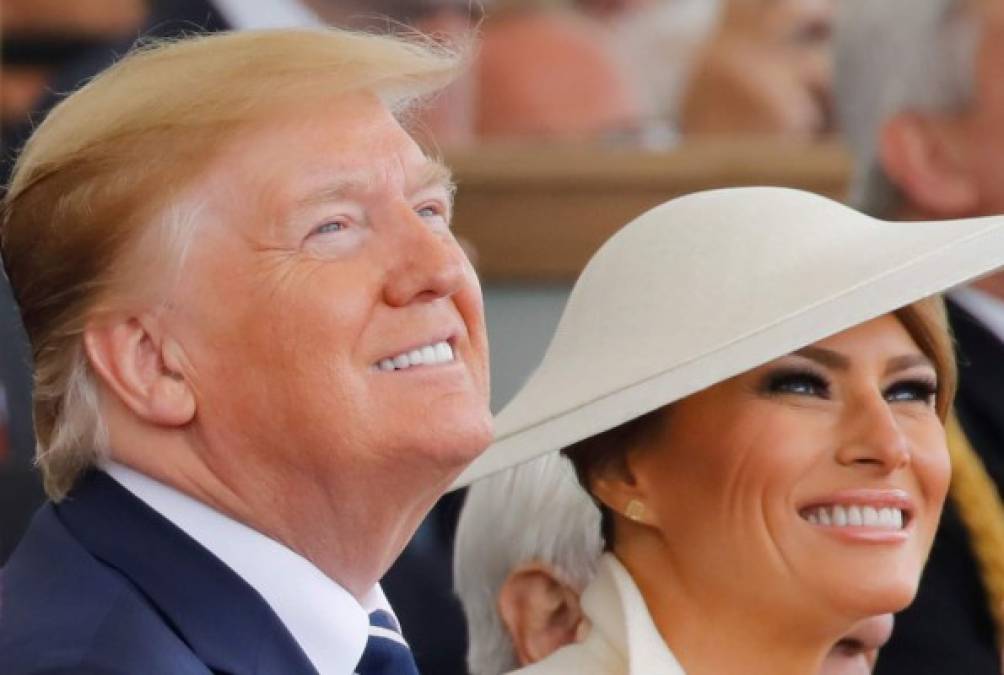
[(429, 355), (886, 518)]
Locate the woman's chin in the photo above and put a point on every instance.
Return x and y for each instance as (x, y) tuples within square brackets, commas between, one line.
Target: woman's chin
[(861, 601)]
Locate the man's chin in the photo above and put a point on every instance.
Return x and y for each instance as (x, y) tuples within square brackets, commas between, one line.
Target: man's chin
[(463, 444)]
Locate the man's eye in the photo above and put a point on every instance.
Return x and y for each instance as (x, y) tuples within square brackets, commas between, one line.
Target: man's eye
[(797, 383), (333, 226), (429, 212), (924, 391)]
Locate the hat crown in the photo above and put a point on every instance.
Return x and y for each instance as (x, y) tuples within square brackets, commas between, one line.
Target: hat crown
[(688, 277)]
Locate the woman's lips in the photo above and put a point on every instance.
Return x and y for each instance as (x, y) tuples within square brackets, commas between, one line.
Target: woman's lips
[(863, 514)]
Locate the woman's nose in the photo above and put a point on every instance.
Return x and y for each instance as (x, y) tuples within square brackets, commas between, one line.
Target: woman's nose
[(873, 436)]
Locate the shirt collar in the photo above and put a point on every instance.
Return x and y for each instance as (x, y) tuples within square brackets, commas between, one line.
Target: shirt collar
[(328, 623), (255, 14), (984, 307)]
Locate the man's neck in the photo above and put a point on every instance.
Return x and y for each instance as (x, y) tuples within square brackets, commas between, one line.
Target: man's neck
[(350, 530)]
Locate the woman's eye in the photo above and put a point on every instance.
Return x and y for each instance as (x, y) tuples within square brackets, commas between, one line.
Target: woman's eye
[(799, 384), (924, 391), (333, 226)]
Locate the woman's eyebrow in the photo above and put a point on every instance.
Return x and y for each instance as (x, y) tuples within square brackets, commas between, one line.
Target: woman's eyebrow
[(905, 362), (825, 357)]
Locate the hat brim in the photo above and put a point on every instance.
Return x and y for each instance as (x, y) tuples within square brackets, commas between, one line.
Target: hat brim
[(522, 434)]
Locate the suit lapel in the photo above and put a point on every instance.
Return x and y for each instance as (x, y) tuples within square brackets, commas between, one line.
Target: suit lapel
[(222, 619)]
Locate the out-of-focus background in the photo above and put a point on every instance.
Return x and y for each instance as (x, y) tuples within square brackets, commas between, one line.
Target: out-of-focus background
[(574, 117)]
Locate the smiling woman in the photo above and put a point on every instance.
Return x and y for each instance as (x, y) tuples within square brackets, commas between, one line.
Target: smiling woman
[(752, 384)]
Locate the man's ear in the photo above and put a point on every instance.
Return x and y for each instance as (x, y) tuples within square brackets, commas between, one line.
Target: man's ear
[(540, 611), (927, 157), (142, 367)]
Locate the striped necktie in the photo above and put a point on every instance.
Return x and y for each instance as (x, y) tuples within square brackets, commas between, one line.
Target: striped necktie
[(386, 651)]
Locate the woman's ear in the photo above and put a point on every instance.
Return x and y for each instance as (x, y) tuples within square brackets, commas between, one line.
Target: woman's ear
[(540, 611), (621, 493), (927, 157), (141, 367)]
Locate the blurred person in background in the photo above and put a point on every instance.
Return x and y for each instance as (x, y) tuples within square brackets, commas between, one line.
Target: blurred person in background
[(765, 68), (731, 66), (919, 90), (548, 71), (49, 51), (40, 39), (521, 585), (586, 69)]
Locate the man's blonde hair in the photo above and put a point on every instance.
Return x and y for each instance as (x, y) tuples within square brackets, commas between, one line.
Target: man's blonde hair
[(112, 163)]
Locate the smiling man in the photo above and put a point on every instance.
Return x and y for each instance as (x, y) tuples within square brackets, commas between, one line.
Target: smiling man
[(260, 357)]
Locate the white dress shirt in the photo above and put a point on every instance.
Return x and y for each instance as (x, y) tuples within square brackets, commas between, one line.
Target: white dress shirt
[(328, 623), (256, 14), (985, 308)]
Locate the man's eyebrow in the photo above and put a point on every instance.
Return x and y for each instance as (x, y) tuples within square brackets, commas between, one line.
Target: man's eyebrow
[(434, 173), (905, 362), (334, 190), (825, 357), (431, 174)]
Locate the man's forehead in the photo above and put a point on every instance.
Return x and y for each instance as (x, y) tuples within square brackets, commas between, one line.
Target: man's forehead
[(413, 176)]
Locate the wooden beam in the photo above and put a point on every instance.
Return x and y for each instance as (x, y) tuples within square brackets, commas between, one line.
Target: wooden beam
[(537, 213)]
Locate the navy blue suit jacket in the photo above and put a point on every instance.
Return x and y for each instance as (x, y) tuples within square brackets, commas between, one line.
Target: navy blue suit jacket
[(102, 584)]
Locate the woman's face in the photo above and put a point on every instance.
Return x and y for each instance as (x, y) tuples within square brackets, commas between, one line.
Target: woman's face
[(815, 481)]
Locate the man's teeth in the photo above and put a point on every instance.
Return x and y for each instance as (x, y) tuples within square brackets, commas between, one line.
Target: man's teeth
[(429, 355), (886, 518)]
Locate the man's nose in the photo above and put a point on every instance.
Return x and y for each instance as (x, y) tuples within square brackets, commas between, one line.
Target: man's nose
[(428, 263), (873, 436)]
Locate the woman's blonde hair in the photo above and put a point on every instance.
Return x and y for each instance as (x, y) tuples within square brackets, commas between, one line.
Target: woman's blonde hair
[(116, 162)]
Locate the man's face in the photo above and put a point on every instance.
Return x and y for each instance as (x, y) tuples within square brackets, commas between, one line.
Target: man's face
[(329, 320)]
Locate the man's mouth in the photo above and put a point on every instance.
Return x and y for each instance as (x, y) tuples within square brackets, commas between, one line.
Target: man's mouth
[(432, 354)]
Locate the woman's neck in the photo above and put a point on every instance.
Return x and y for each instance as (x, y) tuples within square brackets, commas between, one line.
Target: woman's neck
[(711, 635)]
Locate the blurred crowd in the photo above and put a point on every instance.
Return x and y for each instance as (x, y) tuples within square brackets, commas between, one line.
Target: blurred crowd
[(579, 69)]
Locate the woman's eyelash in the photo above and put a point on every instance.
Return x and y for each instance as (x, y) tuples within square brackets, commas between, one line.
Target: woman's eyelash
[(802, 382), (796, 381), (914, 389)]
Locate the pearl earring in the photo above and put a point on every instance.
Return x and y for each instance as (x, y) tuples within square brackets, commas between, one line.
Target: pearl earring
[(635, 511)]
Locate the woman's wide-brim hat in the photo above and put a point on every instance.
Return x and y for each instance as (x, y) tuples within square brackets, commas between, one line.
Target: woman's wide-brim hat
[(713, 284)]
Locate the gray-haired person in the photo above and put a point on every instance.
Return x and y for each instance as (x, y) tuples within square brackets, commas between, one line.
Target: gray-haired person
[(919, 88)]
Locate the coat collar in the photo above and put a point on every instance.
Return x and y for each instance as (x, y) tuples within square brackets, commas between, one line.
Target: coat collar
[(619, 616), (182, 580)]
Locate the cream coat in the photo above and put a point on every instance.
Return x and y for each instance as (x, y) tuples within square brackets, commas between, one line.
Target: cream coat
[(622, 641)]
